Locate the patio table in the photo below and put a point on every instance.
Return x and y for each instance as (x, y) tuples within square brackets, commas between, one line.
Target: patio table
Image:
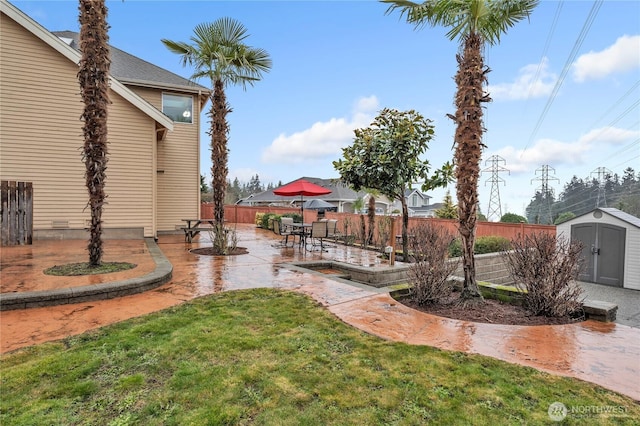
[(193, 227), (301, 229)]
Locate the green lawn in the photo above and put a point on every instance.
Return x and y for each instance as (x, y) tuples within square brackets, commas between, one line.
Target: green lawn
[(273, 357)]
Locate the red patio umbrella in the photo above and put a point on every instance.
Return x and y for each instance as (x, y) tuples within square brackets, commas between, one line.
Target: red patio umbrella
[(301, 187)]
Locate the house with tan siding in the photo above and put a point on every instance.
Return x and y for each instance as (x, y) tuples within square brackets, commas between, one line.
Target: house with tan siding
[(153, 177)]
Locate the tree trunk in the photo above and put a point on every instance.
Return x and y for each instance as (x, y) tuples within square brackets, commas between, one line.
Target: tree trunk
[(405, 226), (371, 213), (93, 77), (470, 79), (219, 152)]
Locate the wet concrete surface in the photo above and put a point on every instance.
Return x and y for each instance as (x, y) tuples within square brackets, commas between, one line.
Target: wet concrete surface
[(627, 300), (607, 354)]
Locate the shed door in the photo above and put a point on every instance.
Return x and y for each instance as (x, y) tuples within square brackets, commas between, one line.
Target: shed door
[(603, 252), (586, 234)]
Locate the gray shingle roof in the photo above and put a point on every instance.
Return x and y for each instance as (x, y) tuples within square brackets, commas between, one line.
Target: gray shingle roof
[(129, 69), (339, 192)]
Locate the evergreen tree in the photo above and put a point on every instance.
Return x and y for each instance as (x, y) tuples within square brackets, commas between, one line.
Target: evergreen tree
[(448, 209)]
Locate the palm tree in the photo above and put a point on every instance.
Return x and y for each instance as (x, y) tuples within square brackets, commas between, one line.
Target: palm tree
[(94, 87), (474, 23), (217, 51)]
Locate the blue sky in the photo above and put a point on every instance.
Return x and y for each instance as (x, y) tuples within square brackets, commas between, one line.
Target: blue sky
[(565, 84)]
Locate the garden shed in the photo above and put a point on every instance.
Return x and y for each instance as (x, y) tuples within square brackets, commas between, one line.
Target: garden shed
[(611, 246)]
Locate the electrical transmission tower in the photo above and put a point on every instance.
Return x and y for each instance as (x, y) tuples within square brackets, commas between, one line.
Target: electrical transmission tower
[(495, 209), (602, 173), (546, 192)]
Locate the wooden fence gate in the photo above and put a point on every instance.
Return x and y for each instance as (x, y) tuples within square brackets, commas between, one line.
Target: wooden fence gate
[(16, 213)]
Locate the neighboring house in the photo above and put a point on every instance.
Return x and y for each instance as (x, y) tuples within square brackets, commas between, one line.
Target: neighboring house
[(341, 196), (610, 241), (418, 204), (153, 178)]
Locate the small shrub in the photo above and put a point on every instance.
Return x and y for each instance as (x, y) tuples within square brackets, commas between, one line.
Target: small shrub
[(491, 244), (225, 240), (259, 217), (267, 220), (384, 231), (297, 218), (346, 235), (547, 266), (429, 274), (484, 245)]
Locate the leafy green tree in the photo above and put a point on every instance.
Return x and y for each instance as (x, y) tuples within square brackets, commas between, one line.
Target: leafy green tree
[(475, 23), (448, 209), (563, 217), (218, 52), (93, 77), (513, 218), (386, 156)]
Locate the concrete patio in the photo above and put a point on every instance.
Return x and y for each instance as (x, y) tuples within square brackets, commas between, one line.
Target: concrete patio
[(607, 354)]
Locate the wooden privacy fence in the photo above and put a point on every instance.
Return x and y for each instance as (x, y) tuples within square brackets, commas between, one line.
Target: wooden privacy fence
[(16, 213), (247, 214)]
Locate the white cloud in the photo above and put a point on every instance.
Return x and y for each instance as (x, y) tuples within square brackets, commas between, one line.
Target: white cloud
[(323, 138), (544, 151), (610, 136), (533, 81), (557, 153), (622, 56)]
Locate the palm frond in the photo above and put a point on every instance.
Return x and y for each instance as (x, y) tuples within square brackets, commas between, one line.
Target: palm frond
[(488, 18)]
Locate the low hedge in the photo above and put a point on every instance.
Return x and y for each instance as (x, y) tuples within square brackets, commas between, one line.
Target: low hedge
[(264, 220), (483, 245)]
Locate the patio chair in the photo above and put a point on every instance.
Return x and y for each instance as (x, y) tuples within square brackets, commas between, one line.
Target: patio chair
[(285, 234), (317, 235), (332, 229), (287, 225)]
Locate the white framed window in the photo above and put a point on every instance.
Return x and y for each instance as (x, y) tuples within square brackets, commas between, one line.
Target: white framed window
[(178, 108), (414, 201)]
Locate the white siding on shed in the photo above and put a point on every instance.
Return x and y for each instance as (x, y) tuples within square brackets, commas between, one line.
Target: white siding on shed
[(632, 243)]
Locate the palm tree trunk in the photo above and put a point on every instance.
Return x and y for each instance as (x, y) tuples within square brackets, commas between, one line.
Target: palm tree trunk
[(93, 77), (470, 79), (219, 152)]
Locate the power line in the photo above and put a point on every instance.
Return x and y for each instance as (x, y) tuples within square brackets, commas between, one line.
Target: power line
[(602, 173), (567, 66), (545, 49), (584, 195), (546, 192), (618, 102), (495, 209)]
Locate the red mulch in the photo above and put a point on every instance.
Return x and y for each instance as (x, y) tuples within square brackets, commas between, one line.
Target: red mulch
[(492, 311), (210, 251)]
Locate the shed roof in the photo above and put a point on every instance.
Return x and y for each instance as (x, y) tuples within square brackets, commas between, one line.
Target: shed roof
[(619, 214)]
